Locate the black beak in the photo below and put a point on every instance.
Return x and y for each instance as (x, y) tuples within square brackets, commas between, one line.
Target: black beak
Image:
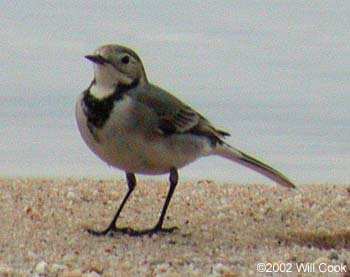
[(98, 59)]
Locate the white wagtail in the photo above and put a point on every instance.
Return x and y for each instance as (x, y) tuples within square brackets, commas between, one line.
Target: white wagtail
[(140, 128)]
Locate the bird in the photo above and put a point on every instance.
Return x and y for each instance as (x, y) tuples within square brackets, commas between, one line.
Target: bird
[(140, 128)]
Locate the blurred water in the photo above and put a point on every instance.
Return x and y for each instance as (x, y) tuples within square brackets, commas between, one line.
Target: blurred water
[(274, 75)]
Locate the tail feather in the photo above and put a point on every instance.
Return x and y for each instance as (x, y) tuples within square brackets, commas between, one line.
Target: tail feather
[(234, 154)]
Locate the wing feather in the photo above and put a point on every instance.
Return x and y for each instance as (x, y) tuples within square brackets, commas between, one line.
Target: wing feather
[(175, 116)]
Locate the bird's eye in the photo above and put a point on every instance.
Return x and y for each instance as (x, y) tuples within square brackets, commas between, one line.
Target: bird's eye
[(125, 59)]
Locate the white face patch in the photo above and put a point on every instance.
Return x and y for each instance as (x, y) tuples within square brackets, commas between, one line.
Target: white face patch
[(108, 74)]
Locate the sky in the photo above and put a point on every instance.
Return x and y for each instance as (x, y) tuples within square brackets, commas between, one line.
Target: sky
[(274, 74)]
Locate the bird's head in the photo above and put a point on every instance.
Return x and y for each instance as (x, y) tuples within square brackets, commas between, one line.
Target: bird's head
[(117, 65)]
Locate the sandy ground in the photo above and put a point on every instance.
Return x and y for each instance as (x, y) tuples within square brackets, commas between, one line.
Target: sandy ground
[(224, 229)]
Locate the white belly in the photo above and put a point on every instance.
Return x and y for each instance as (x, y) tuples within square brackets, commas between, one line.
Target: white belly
[(129, 141)]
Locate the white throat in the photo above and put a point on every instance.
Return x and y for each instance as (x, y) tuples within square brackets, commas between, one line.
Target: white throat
[(101, 91), (105, 81)]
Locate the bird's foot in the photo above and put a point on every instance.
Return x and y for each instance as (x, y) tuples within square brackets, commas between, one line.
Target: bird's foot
[(149, 232), (110, 231)]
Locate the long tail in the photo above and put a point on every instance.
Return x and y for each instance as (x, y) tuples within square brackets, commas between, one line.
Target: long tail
[(234, 154)]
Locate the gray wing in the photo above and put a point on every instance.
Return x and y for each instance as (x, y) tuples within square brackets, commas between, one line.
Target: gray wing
[(174, 116)]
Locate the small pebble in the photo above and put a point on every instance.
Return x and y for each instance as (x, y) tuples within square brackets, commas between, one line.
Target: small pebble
[(220, 269), (334, 256), (73, 273), (162, 268), (91, 274), (321, 260), (6, 270), (95, 267), (72, 195), (41, 267), (57, 267), (33, 213), (68, 258)]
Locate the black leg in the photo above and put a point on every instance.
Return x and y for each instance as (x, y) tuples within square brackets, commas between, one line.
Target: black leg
[(130, 177), (173, 178)]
